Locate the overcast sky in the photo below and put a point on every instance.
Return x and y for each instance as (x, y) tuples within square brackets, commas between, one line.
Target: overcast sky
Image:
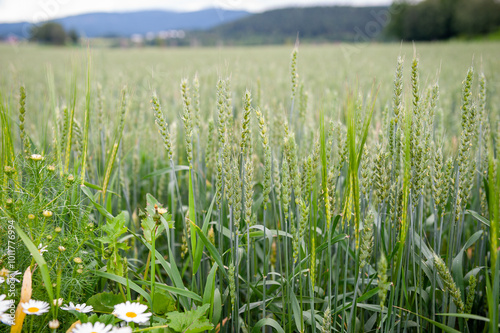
[(41, 10)]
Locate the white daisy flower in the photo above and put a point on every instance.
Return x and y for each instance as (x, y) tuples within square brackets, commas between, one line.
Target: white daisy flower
[(42, 249), (7, 319), (132, 312), (12, 277), (92, 328), (11, 280), (4, 304), (82, 308), (13, 274), (124, 329), (33, 307), (2, 279)]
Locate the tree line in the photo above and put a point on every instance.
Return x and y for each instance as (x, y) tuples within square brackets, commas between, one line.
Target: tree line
[(53, 33), (443, 19)]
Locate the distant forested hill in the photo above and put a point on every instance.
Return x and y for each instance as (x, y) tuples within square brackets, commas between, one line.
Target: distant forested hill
[(336, 23)]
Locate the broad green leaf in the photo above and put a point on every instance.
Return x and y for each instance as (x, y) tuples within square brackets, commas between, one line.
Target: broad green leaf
[(114, 228), (192, 321), (149, 226), (163, 303), (159, 325), (105, 302), (105, 319)]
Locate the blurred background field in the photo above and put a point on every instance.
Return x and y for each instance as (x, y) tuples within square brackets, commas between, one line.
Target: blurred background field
[(326, 72)]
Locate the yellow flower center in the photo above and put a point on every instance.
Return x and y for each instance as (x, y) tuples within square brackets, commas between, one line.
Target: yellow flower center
[(131, 314), (77, 309), (33, 309)]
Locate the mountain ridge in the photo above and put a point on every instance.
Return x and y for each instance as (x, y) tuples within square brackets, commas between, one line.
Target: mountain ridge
[(125, 24)]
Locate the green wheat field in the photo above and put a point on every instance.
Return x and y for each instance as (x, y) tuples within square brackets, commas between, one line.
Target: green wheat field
[(318, 188)]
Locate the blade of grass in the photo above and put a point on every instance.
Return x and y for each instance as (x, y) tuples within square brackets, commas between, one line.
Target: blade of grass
[(99, 207), (435, 323), (211, 248), (39, 260), (126, 282), (69, 138), (199, 248), (166, 170), (87, 120), (192, 216), (267, 322), (173, 290)]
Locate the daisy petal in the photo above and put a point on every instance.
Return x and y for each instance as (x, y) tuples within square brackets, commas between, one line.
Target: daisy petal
[(132, 312), (92, 328), (33, 307)]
